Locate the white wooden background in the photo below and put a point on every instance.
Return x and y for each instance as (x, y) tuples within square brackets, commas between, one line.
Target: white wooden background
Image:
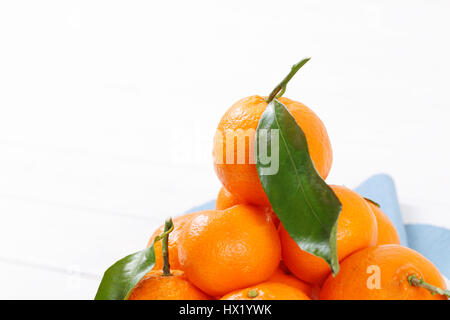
[(108, 108)]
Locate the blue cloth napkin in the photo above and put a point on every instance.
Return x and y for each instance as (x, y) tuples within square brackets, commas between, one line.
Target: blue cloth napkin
[(430, 240)]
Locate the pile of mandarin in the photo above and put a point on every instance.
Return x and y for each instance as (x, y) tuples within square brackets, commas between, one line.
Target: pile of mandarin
[(241, 251)]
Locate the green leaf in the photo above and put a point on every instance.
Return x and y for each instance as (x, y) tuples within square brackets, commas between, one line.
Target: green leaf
[(124, 275), (306, 206)]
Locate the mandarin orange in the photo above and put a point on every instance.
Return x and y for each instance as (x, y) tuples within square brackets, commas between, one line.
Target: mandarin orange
[(381, 273), (241, 179), (224, 250)]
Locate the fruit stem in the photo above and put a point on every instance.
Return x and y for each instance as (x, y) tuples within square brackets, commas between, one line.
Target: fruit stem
[(416, 282), (252, 294), (165, 247), (168, 227), (281, 87)]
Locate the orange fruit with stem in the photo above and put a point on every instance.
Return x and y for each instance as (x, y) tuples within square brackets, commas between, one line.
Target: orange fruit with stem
[(387, 234), (179, 223), (224, 250), (267, 291), (234, 160), (166, 284), (387, 272), (357, 229)]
